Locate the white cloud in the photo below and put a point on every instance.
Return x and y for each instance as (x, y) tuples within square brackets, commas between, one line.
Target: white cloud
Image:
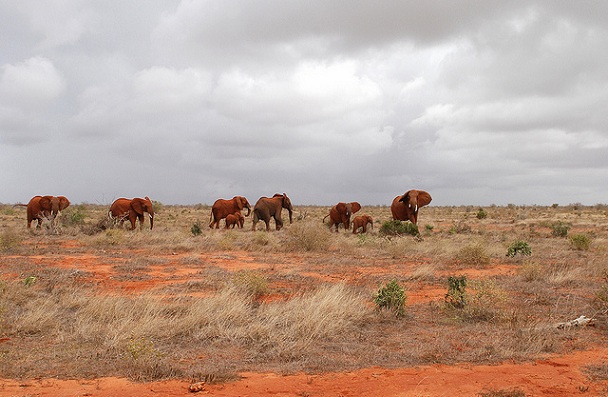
[(319, 99), (31, 82)]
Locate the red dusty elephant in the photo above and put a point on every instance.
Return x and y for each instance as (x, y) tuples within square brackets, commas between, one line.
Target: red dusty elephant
[(340, 214), (132, 209), (405, 208), (236, 219), (45, 207), (360, 222), (222, 208), (267, 208)]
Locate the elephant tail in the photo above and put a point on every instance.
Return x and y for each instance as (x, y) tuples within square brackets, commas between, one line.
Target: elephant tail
[(325, 217)]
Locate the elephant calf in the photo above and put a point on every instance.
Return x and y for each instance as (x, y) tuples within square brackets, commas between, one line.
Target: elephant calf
[(236, 219), (361, 221)]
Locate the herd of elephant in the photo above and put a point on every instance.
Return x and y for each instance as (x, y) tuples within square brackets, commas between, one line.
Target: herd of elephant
[(404, 208)]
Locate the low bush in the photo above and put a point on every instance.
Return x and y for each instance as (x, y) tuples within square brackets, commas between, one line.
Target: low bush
[(307, 236), (251, 282), (456, 296), (559, 229), (481, 214), (391, 297), (9, 240), (519, 247), (396, 227), (196, 229), (580, 242), (473, 255)]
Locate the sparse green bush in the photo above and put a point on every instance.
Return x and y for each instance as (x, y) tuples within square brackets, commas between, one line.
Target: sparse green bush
[(396, 227), (457, 295), (481, 214), (580, 242), (519, 247), (474, 255), (560, 229), (392, 297), (196, 229)]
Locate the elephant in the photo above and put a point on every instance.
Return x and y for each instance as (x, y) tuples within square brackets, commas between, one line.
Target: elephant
[(132, 209), (236, 219), (405, 208), (361, 221), (267, 208), (222, 208), (45, 207), (340, 214)]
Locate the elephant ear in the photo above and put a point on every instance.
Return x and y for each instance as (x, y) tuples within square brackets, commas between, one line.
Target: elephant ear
[(424, 198), (355, 206), (137, 206), (240, 203), (63, 202), (405, 198), (45, 202)]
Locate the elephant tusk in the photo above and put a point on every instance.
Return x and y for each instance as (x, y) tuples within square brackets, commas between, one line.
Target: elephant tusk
[(150, 216)]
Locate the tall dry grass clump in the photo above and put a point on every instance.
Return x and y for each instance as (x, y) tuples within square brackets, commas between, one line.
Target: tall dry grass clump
[(306, 236), (289, 330)]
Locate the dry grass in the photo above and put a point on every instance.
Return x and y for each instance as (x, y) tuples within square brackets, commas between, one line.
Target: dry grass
[(310, 307)]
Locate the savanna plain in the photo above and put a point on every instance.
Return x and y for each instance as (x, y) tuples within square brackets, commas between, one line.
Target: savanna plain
[(480, 302)]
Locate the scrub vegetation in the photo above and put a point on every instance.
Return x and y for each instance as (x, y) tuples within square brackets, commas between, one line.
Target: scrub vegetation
[(185, 301)]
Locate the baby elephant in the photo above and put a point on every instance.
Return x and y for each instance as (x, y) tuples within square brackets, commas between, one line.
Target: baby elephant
[(235, 219), (361, 221)]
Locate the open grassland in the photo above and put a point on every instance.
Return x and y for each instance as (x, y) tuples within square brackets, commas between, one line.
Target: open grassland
[(184, 301)]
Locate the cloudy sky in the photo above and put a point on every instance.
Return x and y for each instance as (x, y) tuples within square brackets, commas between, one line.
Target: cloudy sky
[(477, 102)]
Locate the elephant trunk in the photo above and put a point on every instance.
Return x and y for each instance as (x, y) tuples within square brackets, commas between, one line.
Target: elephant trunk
[(151, 220), (248, 210), (290, 215)]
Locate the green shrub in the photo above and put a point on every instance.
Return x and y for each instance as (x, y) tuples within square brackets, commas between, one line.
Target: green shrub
[(519, 247), (481, 214), (73, 216), (391, 297), (456, 296), (580, 242), (196, 229), (396, 227), (560, 229)]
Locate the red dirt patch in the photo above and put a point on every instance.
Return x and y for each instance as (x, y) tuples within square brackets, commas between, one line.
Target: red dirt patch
[(555, 377)]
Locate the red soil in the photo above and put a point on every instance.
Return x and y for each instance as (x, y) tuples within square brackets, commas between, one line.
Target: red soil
[(555, 376)]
